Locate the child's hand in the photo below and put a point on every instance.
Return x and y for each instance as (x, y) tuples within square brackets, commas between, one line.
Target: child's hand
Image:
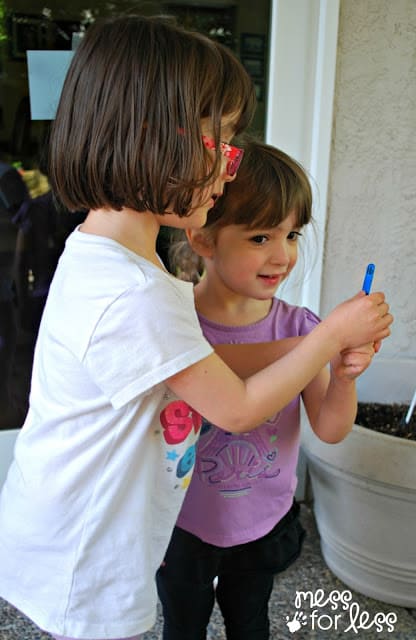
[(351, 363), (360, 320)]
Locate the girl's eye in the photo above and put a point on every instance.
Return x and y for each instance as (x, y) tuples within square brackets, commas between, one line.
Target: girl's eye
[(259, 239), (294, 235)]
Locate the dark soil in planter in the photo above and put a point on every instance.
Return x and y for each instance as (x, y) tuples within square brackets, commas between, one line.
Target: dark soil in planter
[(387, 418)]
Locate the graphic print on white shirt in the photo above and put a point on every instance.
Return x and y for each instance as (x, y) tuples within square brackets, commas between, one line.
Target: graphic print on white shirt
[(180, 422)]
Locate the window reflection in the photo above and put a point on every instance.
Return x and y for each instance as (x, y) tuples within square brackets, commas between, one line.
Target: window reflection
[(33, 228)]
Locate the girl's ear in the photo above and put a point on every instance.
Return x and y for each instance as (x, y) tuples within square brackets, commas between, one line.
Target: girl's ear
[(200, 241)]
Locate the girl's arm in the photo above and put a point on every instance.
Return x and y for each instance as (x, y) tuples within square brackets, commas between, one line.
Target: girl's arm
[(237, 405), (331, 400), (245, 359)]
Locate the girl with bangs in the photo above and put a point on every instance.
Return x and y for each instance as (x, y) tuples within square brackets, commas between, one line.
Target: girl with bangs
[(122, 372), (239, 522)]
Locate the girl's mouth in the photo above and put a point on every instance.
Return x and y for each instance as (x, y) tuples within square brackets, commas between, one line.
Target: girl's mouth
[(273, 279)]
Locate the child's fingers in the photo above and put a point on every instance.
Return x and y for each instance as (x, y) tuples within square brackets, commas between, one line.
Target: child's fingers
[(368, 348), (357, 359), (368, 319), (377, 346)]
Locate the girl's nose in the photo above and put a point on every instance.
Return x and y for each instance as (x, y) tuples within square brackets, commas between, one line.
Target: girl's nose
[(227, 177), (281, 254)]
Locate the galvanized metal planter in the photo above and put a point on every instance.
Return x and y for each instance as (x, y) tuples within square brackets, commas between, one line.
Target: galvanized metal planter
[(364, 491)]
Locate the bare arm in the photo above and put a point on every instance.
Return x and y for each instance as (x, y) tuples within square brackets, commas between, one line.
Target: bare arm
[(216, 392), (331, 399), (249, 358)]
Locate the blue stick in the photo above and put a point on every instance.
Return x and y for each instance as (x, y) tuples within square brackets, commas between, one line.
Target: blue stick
[(368, 278)]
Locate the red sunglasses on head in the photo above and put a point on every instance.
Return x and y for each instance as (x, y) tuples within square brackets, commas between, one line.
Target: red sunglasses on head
[(234, 155)]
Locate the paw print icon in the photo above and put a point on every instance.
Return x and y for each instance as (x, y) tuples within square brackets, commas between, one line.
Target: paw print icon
[(298, 621)]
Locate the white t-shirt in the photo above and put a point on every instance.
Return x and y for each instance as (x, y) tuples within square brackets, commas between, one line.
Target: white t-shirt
[(106, 452)]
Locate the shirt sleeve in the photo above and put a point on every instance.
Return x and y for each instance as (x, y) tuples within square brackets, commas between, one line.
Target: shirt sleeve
[(149, 333), (308, 322)]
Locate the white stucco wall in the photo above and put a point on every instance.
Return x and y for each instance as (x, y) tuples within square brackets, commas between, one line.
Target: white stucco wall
[(371, 214)]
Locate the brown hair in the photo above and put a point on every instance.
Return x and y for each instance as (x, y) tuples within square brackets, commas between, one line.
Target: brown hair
[(127, 131), (269, 185)]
